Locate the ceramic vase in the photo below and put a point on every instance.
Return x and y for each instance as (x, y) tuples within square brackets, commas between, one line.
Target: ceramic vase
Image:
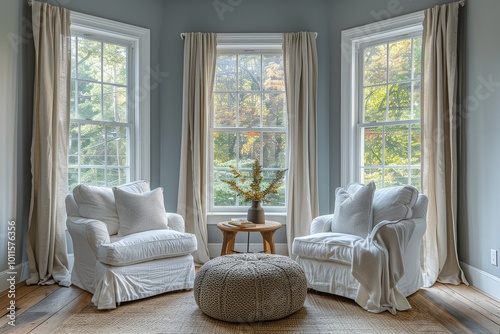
[(256, 213)]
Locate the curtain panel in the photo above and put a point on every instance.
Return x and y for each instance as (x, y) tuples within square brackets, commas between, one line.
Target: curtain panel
[(46, 244), (439, 147), (301, 83), (200, 54)]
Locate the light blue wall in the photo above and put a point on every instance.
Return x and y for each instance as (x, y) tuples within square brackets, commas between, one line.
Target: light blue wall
[(13, 48), (479, 219)]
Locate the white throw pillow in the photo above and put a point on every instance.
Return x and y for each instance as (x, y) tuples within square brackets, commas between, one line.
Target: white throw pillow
[(140, 212), (353, 212), (99, 203), (394, 203)]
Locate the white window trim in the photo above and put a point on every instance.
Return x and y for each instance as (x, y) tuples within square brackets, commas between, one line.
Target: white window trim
[(140, 38), (351, 40), (246, 43)]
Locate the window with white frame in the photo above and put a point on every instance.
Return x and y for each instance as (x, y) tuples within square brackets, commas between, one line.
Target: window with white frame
[(109, 110), (248, 120), (381, 139)]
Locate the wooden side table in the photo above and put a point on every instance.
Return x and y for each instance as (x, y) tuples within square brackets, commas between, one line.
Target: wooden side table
[(266, 230)]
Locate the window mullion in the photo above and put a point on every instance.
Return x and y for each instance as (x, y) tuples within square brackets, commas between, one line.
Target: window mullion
[(409, 153), (383, 155), (79, 154), (387, 85)]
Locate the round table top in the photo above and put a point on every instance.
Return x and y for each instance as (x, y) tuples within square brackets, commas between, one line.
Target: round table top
[(269, 225)]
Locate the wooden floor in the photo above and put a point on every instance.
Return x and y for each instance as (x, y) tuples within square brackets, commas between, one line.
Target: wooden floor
[(42, 309)]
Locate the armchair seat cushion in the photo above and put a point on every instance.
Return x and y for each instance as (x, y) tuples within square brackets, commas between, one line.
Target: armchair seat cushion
[(333, 247), (146, 246)]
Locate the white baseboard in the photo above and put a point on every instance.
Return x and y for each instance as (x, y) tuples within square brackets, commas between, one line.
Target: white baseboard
[(21, 272), (482, 280), (214, 249)]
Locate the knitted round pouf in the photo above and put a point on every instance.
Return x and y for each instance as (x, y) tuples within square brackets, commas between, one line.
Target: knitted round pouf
[(250, 287)]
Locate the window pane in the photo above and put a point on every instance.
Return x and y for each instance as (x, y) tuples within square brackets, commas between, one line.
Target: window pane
[(395, 177), (92, 145), (225, 109), (72, 102), (72, 178), (416, 100), (273, 110), (115, 103), (273, 73), (249, 148), (369, 175), (375, 65), (417, 57), (225, 146), (73, 57), (416, 139), (89, 59), (277, 199), (375, 99), (225, 74), (89, 101), (274, 150), (249, 73), (249, 107), (223, 196), (400, 61), (117, 176), (99, 154), (396, 145), (73, 145), (416, 178), (117, 146), (94, 176), (399, 102), (114, 64), (248, 93), (372, 140)]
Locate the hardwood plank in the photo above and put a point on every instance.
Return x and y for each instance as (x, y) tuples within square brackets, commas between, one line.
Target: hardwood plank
[(29, 300), (441, 315), (462, 312), (473, 299), (55, 321), (477, 296), (43, 310)]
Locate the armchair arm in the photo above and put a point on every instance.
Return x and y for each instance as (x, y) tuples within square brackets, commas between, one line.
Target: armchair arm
[(87, 234), (176, 222), (322, 224)]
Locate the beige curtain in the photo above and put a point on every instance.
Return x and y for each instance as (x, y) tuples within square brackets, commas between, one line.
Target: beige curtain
[(46, 245), (301, 81), (200, 51), (439, 149)]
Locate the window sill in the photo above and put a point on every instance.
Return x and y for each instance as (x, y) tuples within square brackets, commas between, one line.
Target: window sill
[(213, 218)]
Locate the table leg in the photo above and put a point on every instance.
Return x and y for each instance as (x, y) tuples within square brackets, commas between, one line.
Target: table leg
[(268, 241), (228, 242)]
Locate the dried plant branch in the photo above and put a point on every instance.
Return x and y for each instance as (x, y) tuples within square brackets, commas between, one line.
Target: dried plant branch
[(255, 193)]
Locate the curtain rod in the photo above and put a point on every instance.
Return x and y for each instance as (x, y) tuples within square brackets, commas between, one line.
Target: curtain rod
[(183, 34)]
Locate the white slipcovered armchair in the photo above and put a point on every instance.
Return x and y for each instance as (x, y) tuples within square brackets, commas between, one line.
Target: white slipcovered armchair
[(123, 268), (386, 262)]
